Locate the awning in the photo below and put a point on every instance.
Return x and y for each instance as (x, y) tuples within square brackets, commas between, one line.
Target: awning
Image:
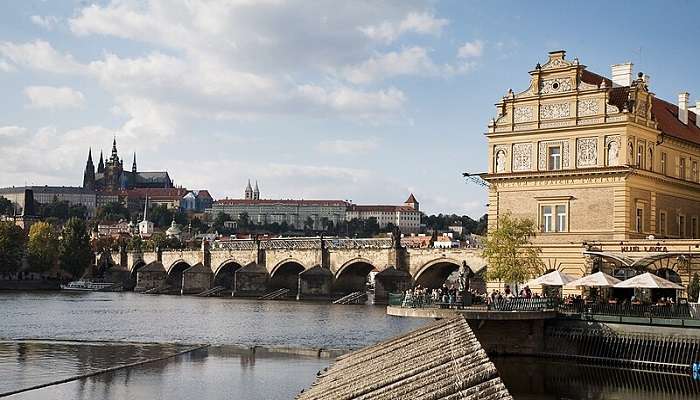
[(648, 280), (554, 278), (599, 279)]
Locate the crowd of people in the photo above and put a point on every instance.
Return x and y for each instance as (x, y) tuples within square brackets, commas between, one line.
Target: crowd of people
[(419, 296)]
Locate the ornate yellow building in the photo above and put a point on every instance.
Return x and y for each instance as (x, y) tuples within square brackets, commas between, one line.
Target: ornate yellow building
[(608, 171)]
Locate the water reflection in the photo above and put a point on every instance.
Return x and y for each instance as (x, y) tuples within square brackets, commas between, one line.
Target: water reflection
[(27, 364), (215, 373), (539, 379)]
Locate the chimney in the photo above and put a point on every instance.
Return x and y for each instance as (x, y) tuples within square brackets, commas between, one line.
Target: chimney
[(622, 74), (683, 107)]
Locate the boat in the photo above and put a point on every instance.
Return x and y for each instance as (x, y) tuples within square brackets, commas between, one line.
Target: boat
[(87, 286)]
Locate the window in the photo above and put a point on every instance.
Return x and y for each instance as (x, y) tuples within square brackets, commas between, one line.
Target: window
[(681, 226), (694, 227), (554, 157), (561, 218), (663, 163), (694, 171), (640, 220), (547, 219), (650, 159), (640, 156), (553, 218), (662, 222), (681, 168)]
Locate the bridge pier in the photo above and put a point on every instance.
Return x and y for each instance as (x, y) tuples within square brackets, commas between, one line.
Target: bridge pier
[(196, 279), (391, 280), (250, 281), (315, 283), (151, 276)]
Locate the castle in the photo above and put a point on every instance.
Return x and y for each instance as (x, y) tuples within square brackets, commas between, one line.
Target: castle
[(111, 176)]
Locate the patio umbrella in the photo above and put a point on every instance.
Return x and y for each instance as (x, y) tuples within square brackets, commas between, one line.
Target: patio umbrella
[(599, 279), (648, 280), (554, 278)]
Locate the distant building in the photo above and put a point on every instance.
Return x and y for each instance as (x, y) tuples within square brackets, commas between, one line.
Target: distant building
[(406, 217), (111, 176), (197, 201), (49, 194), (296, 213), (145, 226), (121, 228), (458, 229)]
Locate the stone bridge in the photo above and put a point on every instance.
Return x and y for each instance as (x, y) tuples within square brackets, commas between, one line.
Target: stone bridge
[(308, 267)]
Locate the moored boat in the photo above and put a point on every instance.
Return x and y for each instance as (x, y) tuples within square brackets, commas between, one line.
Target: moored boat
[(87, 286)]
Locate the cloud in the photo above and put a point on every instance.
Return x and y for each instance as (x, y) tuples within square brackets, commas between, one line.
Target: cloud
[(46, 22), (11, 131), (472, 49), (5, 66), (348, 147), (41, 56), (54, 97), (423, 23)]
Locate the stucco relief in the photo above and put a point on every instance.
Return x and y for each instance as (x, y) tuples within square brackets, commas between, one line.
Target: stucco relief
[(611, 109), (641, 108), (522, 157), (612, 146), (586, 152), (556, 63), (500, 158), (556, 85), (587, 107), (542, 153), (554, 111), (524, 114)]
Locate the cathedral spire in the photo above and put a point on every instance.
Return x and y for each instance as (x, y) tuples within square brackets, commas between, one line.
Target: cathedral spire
[(89, 174), (256, 192), (89, 161), (115, 156), (249, 191), (101, 164), (133, 166)]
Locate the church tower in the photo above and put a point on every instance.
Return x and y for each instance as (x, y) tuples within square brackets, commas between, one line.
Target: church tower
[(133, 166), (249, 191), (256, 192), (412, 202), (89, 175), (101, 165)]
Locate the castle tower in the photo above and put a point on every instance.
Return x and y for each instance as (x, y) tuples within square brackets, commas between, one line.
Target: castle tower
[(249, 191), (256, 192), (133, 166), (89, 175), (101, 165), (114, 159), (412, 202)]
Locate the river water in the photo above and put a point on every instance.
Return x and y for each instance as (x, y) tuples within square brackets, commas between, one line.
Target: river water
[(53, 336)]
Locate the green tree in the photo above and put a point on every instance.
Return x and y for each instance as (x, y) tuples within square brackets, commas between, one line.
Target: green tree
[(113, 212), (243, 220), (6, 207), (135, 243), (12, 241), (509, 251), (75, 253), (42, 247), (694, 288)]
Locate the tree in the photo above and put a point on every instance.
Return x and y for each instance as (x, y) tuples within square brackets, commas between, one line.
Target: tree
[(135, 243), (75, 253), (510, 254), (12, 241), (243, 220), (114, 211), (694, 288), (6, 207), (42, 247)]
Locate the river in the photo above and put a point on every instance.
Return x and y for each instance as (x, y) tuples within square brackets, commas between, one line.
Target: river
[(55, 336)]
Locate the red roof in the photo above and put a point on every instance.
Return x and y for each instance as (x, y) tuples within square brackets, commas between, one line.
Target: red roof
[(204, 193), (157, 193), (380, 208), (666, 114), (411, 199), (324, 203)]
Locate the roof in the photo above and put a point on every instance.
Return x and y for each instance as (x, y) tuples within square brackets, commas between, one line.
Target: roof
[(289, 202), (157, 193), (204, 193), (666, 115), (157, 176), (441, 361), (411, 199), (380, 208)]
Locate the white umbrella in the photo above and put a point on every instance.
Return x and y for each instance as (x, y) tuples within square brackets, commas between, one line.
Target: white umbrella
[(554, 278), (648, 280), (599, 279)]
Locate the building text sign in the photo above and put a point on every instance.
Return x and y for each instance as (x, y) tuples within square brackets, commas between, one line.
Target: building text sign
[(645, 249)]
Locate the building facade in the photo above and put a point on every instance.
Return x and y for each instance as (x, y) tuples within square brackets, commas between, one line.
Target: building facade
[(295, 213), (406, 217), (607, 170), (49, 194)]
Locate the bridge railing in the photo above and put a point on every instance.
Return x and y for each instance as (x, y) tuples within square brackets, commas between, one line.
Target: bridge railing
[(358, 243), (523, 304), (234, 245), (669, 311)]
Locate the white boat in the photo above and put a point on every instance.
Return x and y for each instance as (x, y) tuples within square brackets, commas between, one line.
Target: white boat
[(86, 286)]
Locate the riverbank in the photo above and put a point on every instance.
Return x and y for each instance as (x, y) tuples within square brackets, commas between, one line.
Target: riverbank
[(29, 285)]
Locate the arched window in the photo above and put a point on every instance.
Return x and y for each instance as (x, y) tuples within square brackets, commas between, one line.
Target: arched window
[(640, 156), (630, 154), (650, 159)]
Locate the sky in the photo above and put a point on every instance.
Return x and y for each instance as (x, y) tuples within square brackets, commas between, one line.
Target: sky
[(358, 100)]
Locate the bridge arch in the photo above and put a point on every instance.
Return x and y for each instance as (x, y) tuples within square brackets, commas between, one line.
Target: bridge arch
[(435, 272), (138, 264), (174, 278), (285, 275), (224, 274), (352, 276)]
